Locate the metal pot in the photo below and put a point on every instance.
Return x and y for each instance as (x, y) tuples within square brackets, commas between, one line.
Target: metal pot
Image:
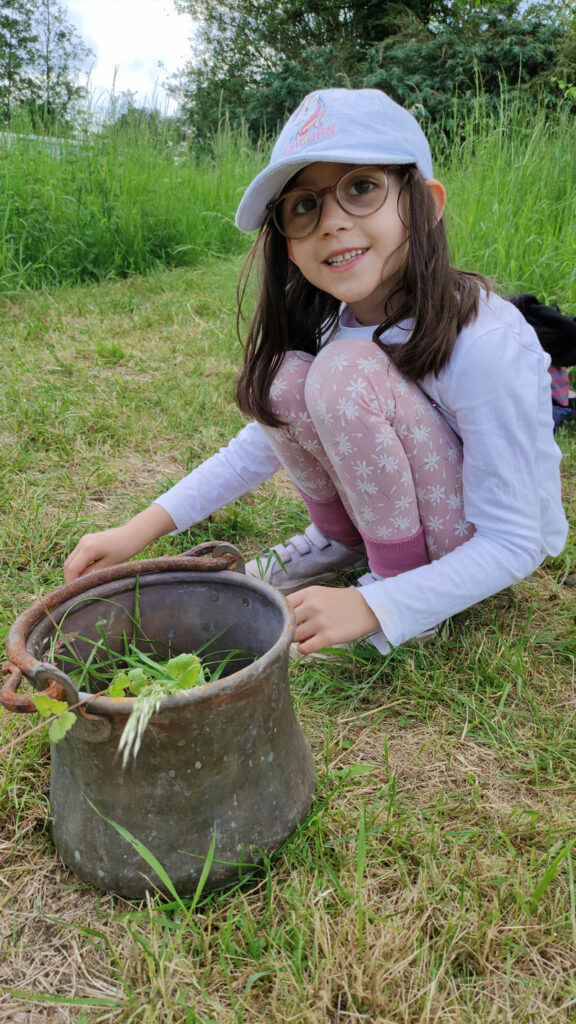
[(223, 768)]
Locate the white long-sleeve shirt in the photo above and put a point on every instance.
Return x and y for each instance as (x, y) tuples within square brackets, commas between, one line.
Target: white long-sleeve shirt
[(495, 393)]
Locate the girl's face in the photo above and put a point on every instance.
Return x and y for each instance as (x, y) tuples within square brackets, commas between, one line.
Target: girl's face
[(358, 260)]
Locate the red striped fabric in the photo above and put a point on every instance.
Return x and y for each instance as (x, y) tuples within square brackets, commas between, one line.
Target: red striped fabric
[(560, 384)]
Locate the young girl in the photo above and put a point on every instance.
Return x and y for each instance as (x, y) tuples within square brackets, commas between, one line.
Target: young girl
[(410, 405)]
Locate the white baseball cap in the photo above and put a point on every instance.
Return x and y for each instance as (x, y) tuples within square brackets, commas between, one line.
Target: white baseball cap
[(347, 126)]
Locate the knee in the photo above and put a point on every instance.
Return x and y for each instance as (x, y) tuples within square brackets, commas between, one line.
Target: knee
[(346, 370)]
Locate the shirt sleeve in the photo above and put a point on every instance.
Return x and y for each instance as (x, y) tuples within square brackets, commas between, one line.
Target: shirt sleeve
[(239, 467), (498, 397)]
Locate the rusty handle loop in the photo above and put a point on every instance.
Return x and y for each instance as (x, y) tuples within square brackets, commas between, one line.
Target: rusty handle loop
[(55, 682), (217, 549), (14, 701)]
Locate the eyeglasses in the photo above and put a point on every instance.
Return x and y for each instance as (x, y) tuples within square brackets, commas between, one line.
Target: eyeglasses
[(360, 192)]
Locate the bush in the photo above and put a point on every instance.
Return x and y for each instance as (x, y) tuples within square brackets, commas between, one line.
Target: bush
[(442, 71), (437, 70)]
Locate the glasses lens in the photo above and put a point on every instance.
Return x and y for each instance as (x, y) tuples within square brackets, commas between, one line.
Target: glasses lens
[(363, 190), (296, 214), (360, 192)]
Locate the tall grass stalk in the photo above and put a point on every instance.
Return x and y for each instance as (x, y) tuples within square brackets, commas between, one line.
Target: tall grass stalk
[(511, 182), (130, 198), (116, 201)]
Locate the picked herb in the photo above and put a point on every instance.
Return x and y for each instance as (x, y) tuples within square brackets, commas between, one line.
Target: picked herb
[(149, 683)]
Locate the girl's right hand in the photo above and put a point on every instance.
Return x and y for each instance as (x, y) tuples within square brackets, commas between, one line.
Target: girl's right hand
[(98, 550), (118, 544)]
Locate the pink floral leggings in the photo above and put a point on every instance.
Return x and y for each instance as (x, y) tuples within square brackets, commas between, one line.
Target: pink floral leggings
[(369, 453)]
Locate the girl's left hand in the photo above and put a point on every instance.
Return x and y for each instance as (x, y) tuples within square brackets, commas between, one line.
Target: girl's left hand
[(330, 615)]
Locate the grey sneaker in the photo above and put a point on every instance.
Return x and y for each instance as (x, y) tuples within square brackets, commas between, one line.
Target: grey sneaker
[(306, 559)]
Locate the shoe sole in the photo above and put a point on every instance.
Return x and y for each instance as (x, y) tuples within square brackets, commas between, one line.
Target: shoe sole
[(291, 586)]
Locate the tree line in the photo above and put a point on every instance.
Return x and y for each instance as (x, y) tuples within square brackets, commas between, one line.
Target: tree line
[(40, 57), (251, 61), (254, 61)]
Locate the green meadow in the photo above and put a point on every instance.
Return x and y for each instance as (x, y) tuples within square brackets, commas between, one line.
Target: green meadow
[(434, 880), (115, 203)]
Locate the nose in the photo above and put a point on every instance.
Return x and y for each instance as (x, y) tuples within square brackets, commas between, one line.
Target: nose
[(333, 217)]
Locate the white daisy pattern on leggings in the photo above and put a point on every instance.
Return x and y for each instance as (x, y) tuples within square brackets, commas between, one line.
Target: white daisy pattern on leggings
[(358, 429)]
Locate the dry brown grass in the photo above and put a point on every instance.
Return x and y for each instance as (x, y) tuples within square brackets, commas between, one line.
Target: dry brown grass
[(432, 931)]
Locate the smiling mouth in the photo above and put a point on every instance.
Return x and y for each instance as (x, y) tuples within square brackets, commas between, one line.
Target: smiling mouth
[(345, 257)]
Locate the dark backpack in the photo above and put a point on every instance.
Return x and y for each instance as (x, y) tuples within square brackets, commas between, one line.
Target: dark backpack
[(557, 335), (556, 332)]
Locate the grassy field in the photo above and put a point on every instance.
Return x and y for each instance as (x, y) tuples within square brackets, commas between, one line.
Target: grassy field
[(114, 203), (124, 202), (435, 878)]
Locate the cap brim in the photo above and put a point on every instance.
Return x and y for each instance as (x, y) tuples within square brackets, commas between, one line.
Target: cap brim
[(251, 212)]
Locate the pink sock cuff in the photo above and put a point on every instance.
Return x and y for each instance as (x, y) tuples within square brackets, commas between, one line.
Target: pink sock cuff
[(391, 557), (332, 519)]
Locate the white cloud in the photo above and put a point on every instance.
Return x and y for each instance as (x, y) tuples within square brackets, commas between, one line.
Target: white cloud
[(138, 44)]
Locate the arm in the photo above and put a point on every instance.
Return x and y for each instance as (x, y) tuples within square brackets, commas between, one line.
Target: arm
[(240, 467), (497, 395)]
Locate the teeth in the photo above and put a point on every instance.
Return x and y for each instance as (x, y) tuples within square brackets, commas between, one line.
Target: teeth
[(344, 257)]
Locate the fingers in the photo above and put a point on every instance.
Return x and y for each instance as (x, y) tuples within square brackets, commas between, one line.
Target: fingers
[(97, 551), (84, 559), (118, 543), (330, 615)]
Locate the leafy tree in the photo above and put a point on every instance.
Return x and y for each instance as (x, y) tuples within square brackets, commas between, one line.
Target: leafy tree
[(17, 51), (255, 62), (260, 32), (60, 54), (40, 57), (244, 44), (440, 69)]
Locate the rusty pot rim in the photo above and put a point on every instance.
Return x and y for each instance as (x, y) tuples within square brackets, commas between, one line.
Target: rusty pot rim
[(242, 681), (204, 569)]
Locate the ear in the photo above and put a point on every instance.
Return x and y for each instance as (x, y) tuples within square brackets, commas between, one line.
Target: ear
[(438, 193), (289, 248)]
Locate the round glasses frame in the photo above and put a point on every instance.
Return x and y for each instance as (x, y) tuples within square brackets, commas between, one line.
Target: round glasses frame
[(275, 205)]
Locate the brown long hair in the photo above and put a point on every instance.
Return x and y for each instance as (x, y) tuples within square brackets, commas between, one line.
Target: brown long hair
[(293, 314)]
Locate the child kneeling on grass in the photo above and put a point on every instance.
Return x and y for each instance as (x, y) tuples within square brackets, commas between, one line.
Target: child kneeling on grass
[(410, 405)]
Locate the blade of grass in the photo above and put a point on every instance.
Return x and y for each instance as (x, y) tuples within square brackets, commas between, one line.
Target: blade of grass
[(146, 855), (538, 892)]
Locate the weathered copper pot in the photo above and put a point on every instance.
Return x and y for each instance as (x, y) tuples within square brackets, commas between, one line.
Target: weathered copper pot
[(225, 764)]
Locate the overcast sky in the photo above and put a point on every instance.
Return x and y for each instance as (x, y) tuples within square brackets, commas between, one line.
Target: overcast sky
[(145, 40)]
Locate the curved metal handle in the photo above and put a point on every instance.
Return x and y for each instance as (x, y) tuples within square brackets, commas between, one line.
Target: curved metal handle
[(218, 549), (43, 673), (22, 702), (94, 728)]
